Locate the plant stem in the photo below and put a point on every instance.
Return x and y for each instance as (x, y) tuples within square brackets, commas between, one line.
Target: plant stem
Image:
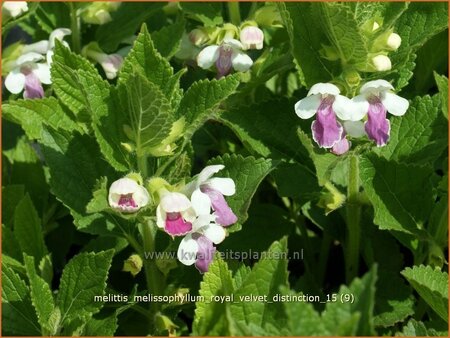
[(153, 276), (142, 165), (235, 14), (353, 220), (75, 27)]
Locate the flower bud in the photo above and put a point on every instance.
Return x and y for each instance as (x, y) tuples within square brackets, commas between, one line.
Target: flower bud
[(167, 145), (99, 13), (164, 323), (133, 264), (111, 63), (332, 199), (393, 41), (13, 9), (126, 195), (352, 78), (381, 63), (198, 36), (252, 38)]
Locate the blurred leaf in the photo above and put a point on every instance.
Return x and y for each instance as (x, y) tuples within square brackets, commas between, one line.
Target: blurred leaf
[(442, 83), (167, 40), (210, 14)]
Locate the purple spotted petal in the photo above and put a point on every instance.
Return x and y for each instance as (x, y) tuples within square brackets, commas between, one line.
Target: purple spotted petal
[(205, 253), (33, 87), (326, 129), (176, 225), (225, 216), (223, 63), (341, 147), (377, 126)]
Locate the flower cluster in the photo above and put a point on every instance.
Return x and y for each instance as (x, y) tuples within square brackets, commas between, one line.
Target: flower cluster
[(198, 211), (338, 116), (31, 68), (224, 48)]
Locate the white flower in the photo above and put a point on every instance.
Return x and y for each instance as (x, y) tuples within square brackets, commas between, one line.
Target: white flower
[(14, 8), (375, 99), (28, 74), (226, 56), (324, 101), (175, 213), (208, 193), (252, 38), (111, 63), (126, 195), (381, 63)]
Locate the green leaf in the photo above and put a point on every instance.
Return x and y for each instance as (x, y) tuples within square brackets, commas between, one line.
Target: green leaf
[(145, 60), (108, 119), (13, 194), (202, 100), (10, 246), (101, 327), (18, 315), (415, 26), (442, 83), (420, 136), (306, 41), (150, 114), (265, 133), (28, 230), (125, 22), (83, 278), (65, 82), (209, 14), (264, 280), (52, 15), (302, 319), (247, 174), (216, 282), (75, 163), (324, 162), (418, 329), (167, 40), (342, 31), (353, 316), (41, 296), (32, 115), (398, 204), (432, 285)]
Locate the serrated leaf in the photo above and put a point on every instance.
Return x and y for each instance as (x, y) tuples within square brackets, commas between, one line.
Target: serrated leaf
[(302, 319), (432, 285), (216, 282), (41, 295), (18, 315), (65, 82), (83, 278), (265, 279), (167, 40), (75, 162), (420, 136), (125, 22), (306, 41), (201, 101), (442, 83), (415, 26), (150, 114), (398, 204), (416, 328), (101, 102), (28, 229), (348, 318), (342, 31), (32, 115), (247, 174), (145, 60), (101, 327)]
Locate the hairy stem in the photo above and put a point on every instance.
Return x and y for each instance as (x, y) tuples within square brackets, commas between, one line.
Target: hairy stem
[(353, 220), (154, 277)]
